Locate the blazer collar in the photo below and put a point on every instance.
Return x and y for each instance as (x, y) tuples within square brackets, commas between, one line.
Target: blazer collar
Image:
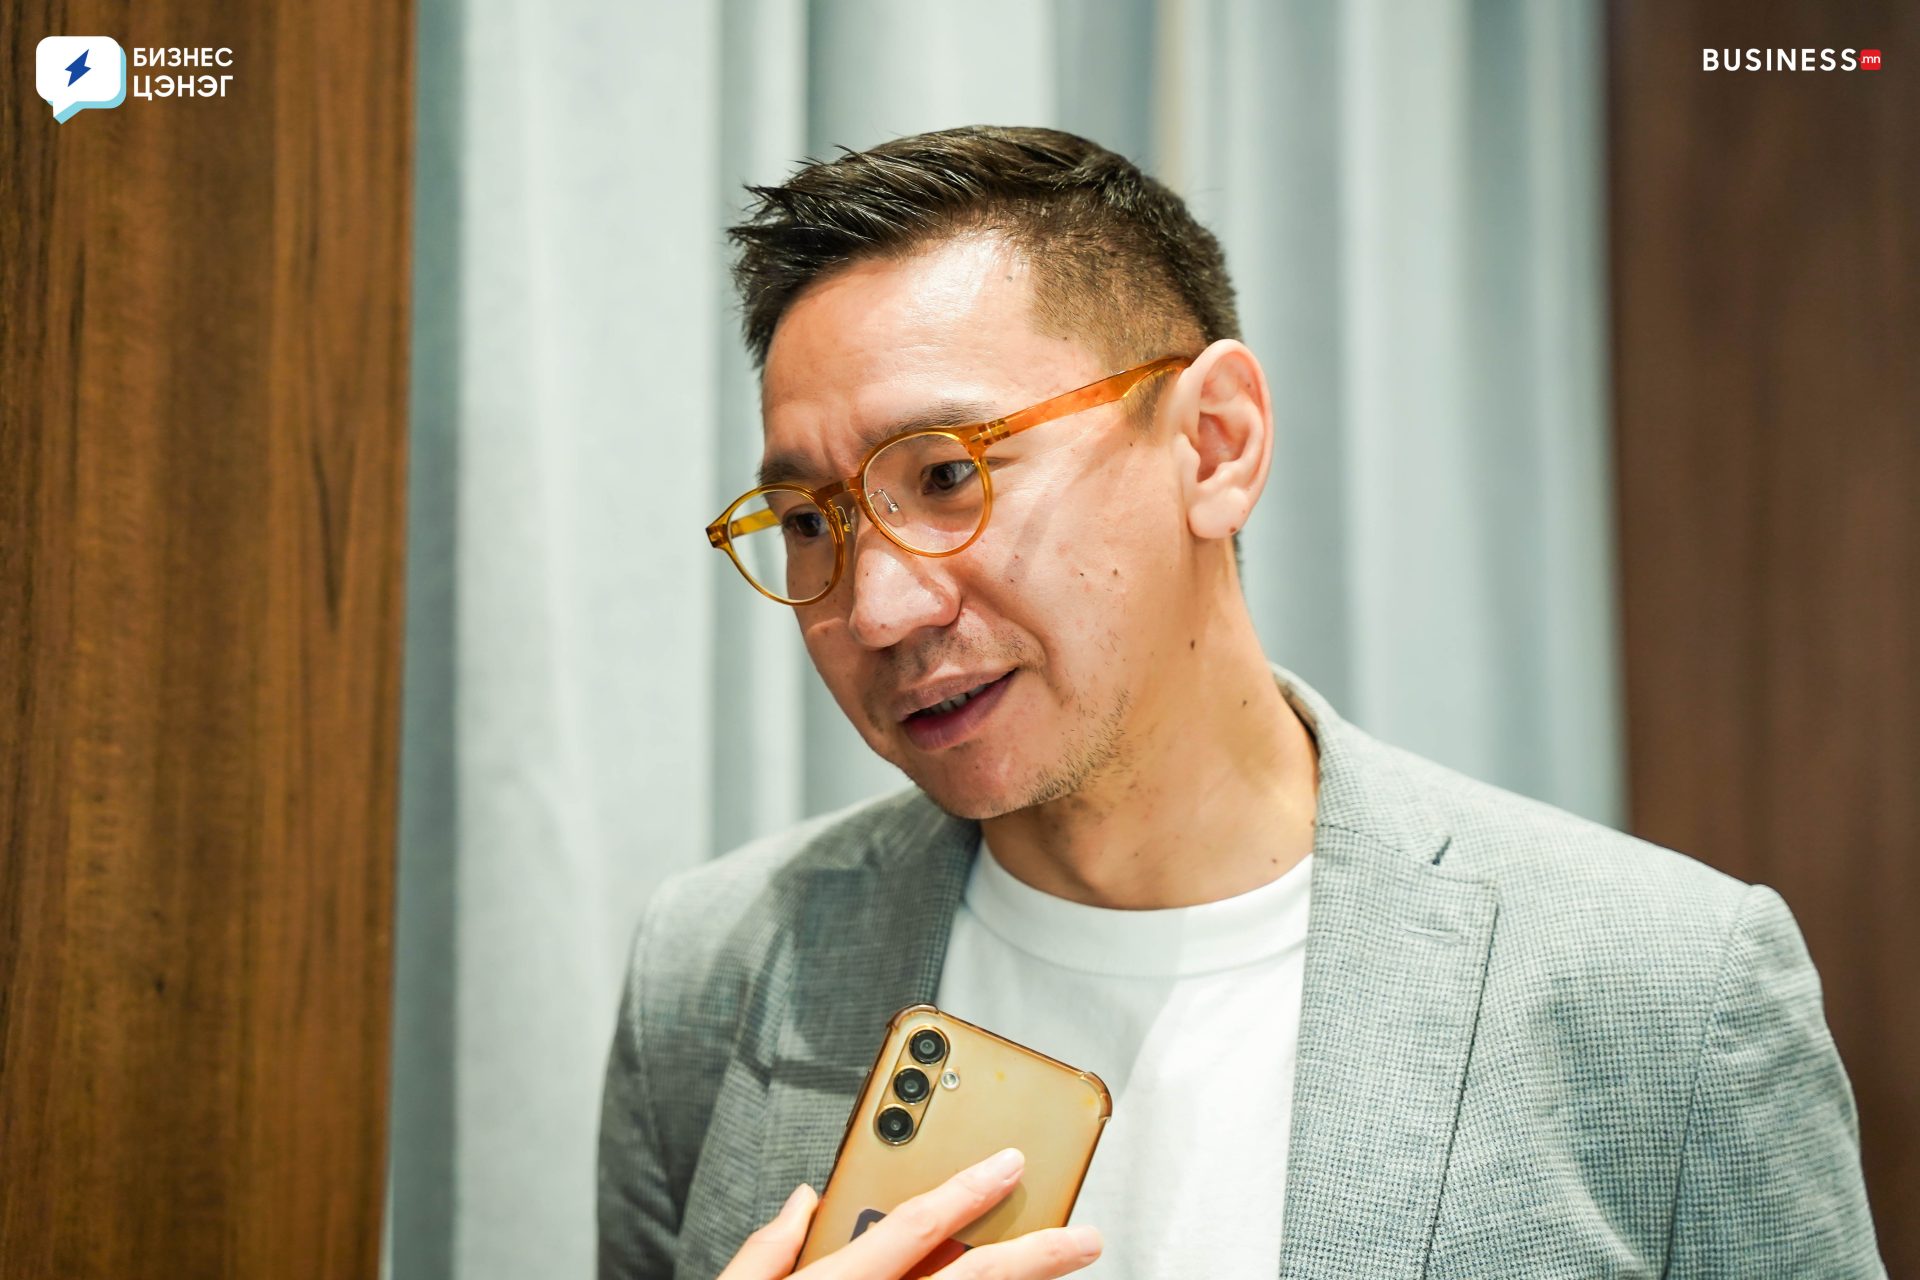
[(1396, 959)]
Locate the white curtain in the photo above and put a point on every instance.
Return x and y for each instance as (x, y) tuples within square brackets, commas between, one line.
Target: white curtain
[(1409, 196)]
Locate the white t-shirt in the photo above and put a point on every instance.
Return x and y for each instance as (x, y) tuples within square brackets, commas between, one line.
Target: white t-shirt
[(1192, 1016)]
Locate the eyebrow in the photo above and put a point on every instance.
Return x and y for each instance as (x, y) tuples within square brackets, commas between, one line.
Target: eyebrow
[(781, 468)]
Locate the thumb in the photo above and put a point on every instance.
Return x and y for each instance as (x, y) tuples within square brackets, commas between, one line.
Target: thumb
[(770, 1252)]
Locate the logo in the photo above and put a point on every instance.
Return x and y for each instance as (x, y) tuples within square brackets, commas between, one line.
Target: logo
[(76, 72), (1807, 59), (943, 1253)]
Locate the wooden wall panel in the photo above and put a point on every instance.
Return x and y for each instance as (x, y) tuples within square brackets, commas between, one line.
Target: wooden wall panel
[(203, 304), (1766, 302)]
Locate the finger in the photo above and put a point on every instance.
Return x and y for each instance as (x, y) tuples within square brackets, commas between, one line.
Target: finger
[(771, 1251), (918, 1226), (1038, 1255)]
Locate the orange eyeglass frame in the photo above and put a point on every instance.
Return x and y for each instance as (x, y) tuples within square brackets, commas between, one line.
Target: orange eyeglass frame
[(975, 438)]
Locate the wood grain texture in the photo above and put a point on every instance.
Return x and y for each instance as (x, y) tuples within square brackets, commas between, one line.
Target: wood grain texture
[(1766, 292), (202, 451)]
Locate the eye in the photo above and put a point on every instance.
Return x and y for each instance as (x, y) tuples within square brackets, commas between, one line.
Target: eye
[(804, 524), (945, 477)]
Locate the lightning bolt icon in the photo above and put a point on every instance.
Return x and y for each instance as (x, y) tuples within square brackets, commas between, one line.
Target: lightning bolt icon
[(78, 67)]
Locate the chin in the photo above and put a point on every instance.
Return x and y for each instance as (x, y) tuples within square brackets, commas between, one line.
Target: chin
[(973, 799), (972, 810), (979, 799)]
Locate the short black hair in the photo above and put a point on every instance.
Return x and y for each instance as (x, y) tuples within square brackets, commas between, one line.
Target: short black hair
[(1118, 259)]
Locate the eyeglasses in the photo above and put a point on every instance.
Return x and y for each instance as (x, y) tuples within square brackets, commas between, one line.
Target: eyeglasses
[(928, 491)]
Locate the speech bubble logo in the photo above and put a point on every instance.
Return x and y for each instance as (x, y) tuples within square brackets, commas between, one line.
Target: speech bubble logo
[(77, 72)]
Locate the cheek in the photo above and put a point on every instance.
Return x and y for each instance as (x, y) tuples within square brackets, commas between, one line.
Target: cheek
[(834, 654), (1079, 592), (1079, 516), (1117, 577)]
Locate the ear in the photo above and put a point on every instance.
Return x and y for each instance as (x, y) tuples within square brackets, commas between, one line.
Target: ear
[(1224, 422)]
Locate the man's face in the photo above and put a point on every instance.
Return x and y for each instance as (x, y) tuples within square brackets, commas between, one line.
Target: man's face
[(1054, 619)]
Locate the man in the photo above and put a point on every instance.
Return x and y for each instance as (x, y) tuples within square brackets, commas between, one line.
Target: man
[(1362, 1016)]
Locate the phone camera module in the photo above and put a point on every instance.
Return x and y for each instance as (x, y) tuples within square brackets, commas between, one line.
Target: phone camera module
[(912, 1085), (927, 1046), (894, 1124)]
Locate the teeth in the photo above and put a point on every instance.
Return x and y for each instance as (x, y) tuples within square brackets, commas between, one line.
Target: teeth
[(954, 703)]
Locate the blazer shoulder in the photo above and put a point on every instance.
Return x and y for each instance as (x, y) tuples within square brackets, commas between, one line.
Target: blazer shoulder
[(1569, 881), (709, 930), (709, 942)]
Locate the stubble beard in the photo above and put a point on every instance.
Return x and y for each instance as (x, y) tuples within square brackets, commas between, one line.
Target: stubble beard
[(1089, 755)]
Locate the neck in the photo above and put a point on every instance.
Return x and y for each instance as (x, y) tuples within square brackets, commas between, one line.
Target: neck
[(1213, 794)]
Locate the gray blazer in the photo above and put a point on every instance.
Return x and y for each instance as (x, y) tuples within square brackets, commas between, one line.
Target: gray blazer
[(1529, 1045)]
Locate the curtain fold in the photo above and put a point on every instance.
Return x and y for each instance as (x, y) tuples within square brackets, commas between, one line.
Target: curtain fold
[(1410, 200)]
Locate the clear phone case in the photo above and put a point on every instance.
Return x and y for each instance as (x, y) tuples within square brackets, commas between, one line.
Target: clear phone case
[(982, 1093)]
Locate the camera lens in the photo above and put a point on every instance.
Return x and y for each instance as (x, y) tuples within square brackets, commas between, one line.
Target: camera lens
[(927, 1046), (894, 1124), (912, 1085)]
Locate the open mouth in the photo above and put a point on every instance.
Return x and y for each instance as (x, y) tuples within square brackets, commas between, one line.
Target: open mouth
[(958, 700), (953, 719)]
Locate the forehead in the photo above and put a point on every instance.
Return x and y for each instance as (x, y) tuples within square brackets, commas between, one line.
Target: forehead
[(884, 343)]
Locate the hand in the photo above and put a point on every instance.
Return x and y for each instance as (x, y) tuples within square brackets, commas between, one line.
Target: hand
[(890, 1247)]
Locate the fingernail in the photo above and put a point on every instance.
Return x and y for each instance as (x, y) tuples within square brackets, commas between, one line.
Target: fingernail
[(998, 1169), (793, 1200), (1086, 1240)]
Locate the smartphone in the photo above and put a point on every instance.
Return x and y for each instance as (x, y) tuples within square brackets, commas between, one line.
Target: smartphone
[(944, 1094)]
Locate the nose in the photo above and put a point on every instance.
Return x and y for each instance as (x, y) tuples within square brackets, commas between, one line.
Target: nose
[(895, 592)]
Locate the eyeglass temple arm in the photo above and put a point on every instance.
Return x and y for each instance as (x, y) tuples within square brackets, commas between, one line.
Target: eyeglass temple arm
[(720, 534), (1094, 394)]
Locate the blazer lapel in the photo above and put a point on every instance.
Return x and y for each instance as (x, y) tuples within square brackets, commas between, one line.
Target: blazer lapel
[(875, 937), (1396, 959)]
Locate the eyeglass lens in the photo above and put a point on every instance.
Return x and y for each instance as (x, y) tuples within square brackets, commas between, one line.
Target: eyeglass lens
[(925, 488)]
